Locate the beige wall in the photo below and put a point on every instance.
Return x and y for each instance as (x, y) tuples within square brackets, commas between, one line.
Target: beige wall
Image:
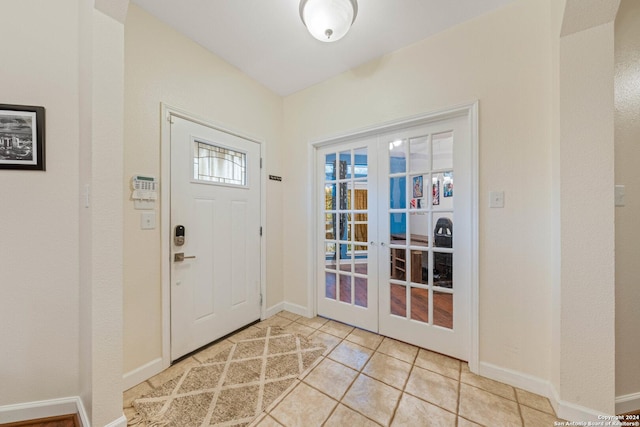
[(627, 155), (61, 327), (163, 66), (587, 230), (39, 226), (504, 60)]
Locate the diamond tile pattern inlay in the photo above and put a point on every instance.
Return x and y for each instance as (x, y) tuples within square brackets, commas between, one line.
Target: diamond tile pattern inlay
[(232, 387)]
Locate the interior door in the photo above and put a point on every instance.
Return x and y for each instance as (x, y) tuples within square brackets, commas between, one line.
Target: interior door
[(215, 198), (425, 283), (409, 275), (348, 267)]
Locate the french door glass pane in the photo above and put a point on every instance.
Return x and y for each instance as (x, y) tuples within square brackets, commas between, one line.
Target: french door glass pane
[(398, 264), (361, 291), (398, 228), (398, 300), (443, 230), (397, 156), (443, 309), (443, 151), (345, 165), (443, 270), (345, 288), (420, 304), (330, 285), (397, 193), (420, 267), (419, 155)]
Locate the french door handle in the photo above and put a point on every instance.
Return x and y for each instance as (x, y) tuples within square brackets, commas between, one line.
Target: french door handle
[(382, 244), (372, 243)]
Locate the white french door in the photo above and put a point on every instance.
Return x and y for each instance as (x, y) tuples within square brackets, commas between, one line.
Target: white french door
[(390, 260), (348, 270)]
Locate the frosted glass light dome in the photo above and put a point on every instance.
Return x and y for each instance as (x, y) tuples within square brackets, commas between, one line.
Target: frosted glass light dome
[(328, 20)]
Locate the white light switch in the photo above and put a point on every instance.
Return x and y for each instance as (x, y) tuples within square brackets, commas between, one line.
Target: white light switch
[(496, 199), (148, 220), (619, 195)]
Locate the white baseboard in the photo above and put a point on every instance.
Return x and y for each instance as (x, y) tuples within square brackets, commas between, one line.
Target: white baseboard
[(45, 409), (565, 410), (120, 422), (517, 379), (297, 309), (627, 403), (273, 310), (143, 373)]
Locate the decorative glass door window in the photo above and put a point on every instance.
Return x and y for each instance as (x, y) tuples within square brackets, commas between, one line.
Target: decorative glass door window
[(217, 164)]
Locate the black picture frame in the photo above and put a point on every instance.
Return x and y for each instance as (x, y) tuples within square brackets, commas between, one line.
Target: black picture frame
[(22, 137)]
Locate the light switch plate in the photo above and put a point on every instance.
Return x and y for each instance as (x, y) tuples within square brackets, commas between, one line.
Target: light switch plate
[(496, 199), (148, 220)]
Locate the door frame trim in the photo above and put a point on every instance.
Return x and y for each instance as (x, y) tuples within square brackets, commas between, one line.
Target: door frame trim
[(166, 111), (470, 110)]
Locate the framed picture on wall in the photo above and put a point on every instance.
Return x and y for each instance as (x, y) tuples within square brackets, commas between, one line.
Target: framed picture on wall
[(417, 187), (436, 192), (21, 137)]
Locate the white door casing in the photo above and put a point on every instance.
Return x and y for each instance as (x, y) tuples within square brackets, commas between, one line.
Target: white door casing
[(218, 290)]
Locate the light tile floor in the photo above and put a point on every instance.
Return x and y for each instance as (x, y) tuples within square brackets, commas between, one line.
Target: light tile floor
[(364, 379)]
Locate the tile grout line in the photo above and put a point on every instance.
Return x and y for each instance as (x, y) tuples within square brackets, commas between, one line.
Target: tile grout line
[(404, 387)]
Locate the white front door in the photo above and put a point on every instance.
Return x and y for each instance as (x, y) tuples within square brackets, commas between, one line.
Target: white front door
[(390, 261), (215, 203)]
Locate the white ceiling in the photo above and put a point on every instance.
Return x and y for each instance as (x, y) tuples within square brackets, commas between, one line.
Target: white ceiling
[(267, 40)]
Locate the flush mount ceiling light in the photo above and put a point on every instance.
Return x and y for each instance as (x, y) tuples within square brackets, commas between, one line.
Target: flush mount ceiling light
[(328, 20)]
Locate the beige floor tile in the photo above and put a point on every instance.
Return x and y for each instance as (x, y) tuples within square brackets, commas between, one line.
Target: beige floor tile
[(173, 371), (266, 421), (434, 388), (398, 349), (288, 315), (312, 322), (353, 355), (488, 409), (326, 340), (492, 386), (388, 369), (439, 363), (535, 418), (534, 401), (299, 329), (372, 399), (213, 350), (273, 321), (365, 338), (345, 417), (413, 411), (466, 423), (135, 392), (304, 406), (331, 378), (336, 328), (130, 414)]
